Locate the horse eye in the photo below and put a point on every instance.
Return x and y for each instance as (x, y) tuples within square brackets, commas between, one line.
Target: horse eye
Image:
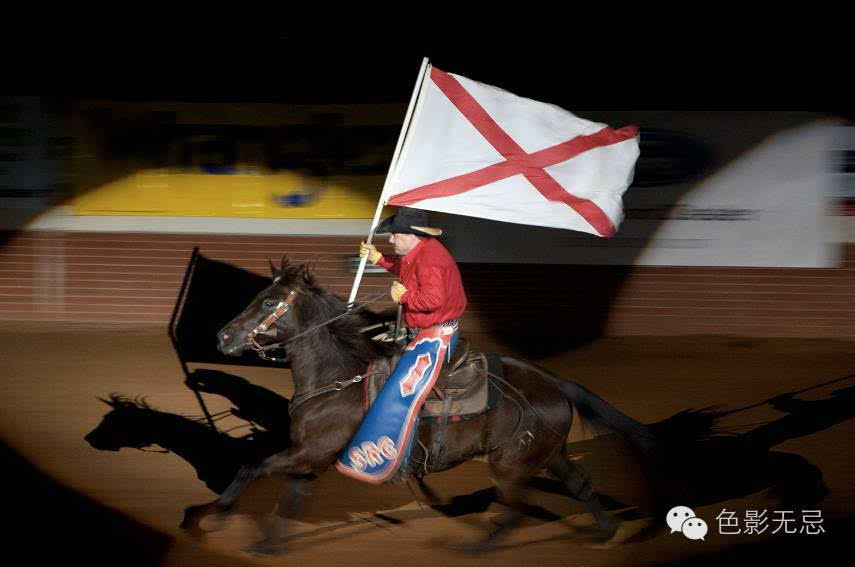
[(269, 303)]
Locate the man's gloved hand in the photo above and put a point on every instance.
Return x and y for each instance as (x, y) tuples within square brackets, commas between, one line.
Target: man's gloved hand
[(397, 291), (371, 251)]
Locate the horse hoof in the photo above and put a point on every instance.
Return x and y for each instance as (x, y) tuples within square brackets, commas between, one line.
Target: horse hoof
[(214, 522), (191, 518), (608, 531)]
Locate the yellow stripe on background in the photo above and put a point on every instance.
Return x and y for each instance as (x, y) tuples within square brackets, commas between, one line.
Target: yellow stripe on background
[(244, 195)]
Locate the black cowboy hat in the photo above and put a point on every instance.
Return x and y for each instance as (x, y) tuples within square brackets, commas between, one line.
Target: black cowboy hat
[(407, 221)]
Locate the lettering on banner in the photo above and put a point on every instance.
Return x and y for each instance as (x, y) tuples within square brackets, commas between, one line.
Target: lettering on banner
[(371, 454)]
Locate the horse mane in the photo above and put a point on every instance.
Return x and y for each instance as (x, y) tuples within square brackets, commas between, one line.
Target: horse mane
[(120, 402), (345, 332)]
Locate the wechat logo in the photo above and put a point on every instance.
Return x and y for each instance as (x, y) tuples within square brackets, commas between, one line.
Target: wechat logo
[(682, 519)]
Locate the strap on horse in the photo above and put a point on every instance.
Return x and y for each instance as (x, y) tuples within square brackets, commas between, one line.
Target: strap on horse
[(437, 448)]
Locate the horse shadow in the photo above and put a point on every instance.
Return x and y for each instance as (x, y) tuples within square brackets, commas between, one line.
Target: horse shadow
[(702, 472), (216, 456), (715, 468)]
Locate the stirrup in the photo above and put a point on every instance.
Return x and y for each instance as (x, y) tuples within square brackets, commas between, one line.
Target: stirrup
[(401, 476)]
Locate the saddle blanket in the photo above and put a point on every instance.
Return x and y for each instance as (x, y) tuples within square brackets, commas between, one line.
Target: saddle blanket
[(382, 442)]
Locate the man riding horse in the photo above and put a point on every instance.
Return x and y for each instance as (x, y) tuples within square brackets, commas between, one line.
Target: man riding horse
[(432, 299)]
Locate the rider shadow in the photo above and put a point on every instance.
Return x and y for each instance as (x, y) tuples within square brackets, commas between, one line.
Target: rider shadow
[(215, 455), (795, 481), (254, 404)]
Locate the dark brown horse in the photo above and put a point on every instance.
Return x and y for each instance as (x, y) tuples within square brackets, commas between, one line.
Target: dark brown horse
[(525, 434)]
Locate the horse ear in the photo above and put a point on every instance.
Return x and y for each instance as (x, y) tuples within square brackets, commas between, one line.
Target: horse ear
[(308, 277), (278, 272)]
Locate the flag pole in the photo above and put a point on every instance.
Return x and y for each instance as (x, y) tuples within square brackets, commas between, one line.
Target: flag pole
[(376, 220)]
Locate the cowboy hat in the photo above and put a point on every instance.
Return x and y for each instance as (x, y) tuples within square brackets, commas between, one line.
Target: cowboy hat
[(407, 221)]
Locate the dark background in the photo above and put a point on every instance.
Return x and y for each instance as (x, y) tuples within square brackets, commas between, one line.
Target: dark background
[(707, 58)]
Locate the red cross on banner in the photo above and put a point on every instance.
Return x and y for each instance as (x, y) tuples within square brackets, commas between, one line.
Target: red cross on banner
[(477, 150)]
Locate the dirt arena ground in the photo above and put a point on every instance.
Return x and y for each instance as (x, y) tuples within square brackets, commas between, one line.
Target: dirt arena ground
[(71, 501)]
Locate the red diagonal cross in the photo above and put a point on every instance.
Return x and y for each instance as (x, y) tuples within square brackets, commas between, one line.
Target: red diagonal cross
[(517, 160)]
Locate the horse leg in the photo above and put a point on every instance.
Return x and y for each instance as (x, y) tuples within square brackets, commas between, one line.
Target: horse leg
[(578, 483), (511, 490), (294, 493), (300, 463), (432, 497), (295, 461), (225, 503)]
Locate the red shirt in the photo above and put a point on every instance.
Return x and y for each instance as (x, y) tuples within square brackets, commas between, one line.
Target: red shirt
[(434, 288)]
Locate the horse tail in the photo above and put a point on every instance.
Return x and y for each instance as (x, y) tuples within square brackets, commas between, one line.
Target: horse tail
[(595, 410)]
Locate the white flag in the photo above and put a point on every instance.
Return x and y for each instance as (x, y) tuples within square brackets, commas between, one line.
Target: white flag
[(477, 150)]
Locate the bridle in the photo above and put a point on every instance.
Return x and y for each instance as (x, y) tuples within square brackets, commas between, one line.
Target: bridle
[(281, 309)]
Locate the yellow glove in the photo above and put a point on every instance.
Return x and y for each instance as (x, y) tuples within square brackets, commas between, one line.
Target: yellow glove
[(397, 291), (371, 251)]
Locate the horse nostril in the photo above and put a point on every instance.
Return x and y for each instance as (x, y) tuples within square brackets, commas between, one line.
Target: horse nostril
[(226, 337)]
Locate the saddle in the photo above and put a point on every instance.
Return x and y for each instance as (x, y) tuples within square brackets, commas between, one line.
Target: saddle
[(462, 390)]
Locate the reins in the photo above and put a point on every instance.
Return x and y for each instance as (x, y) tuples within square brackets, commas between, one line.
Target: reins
[(334, 387), (279, 311), (283, 307)]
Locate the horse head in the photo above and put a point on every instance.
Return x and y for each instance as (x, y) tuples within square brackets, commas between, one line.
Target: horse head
[(215, 455), (128, 425), (274, 315)]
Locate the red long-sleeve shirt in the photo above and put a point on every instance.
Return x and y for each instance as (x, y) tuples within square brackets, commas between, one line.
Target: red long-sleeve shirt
[(434, 288)]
